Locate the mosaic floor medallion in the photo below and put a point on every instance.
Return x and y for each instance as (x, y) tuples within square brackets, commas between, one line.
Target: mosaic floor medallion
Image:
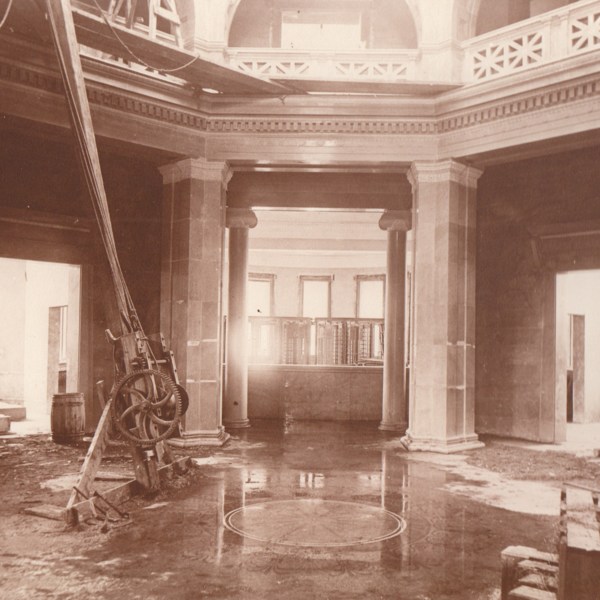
[(314, 523)]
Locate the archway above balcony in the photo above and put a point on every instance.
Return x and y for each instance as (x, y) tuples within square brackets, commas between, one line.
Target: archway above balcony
[(323, 25), (495, 14)]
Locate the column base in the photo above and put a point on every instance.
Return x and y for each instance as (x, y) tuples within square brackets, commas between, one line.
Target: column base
[(241, 424), (444, 446), (396, 427), (192, 439)]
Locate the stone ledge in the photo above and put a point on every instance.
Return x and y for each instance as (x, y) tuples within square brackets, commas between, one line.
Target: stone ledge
[(442, 446), (16, 412)]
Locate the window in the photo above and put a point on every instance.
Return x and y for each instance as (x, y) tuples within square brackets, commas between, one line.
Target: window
[(315, 296), (370, 296), (261, 294), (315, 303)]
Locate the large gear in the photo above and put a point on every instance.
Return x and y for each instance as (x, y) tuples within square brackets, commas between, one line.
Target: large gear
[(146, 406)]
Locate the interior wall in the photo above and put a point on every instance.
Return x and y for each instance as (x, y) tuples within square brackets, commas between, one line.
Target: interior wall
[(42, 176), (494, 14), (516, 337), (12, 341)]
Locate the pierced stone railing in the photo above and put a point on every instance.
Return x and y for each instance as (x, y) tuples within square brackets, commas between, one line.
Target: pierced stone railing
[(373, 65), (559, 34)]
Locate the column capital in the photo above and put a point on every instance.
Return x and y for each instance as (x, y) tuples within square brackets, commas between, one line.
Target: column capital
[(240, 218), (196, 168), (396, 220), (443, 171)]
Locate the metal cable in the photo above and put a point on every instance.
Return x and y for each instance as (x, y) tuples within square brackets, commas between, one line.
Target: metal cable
[(8, 7), (89, 159), (133, 54)]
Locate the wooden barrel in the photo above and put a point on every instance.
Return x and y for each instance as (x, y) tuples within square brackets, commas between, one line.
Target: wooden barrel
[(67, 418)]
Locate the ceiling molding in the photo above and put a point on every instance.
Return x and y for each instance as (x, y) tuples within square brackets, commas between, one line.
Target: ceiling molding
[(451, 126)]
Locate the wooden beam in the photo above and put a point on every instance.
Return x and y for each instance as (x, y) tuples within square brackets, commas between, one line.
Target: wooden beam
[(92, 30)]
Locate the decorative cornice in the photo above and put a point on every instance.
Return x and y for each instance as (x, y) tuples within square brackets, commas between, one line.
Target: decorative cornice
[(196, 168), (321, 125), (100, 97), (242, 218), (396, 220), (144, 108), (509, 108), (443, 171), (461, 119)]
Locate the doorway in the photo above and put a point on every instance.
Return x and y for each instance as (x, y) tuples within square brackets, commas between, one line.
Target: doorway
[(578, 341), (39, 346)]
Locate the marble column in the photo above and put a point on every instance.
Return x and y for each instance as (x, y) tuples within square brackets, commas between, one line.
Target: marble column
[(235, 401), (394, 410), (442, 394), (191, 290)]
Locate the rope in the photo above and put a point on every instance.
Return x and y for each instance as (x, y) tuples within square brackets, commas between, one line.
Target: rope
[(133, 54), (6, 13)]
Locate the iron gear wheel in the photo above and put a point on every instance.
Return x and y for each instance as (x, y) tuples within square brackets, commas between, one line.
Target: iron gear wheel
[(146, 406)]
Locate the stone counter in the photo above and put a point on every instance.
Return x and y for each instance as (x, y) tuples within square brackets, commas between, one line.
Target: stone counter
[(315, 392)]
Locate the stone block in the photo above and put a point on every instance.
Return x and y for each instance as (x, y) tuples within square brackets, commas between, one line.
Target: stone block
[(4, 423)]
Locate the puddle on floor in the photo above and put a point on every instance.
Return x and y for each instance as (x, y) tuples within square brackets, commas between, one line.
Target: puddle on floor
[(448, 548)]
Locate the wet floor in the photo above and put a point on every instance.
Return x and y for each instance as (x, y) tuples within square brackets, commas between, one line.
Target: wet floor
[(307, 510)]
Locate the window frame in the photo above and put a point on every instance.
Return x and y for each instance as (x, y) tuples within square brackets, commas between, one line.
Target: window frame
[(269, 277), (376, 277), (303, 278)]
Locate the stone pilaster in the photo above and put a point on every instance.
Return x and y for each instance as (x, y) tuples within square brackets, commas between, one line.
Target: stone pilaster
[(235, 401), (442, 395), (394, 409), (191, 289)]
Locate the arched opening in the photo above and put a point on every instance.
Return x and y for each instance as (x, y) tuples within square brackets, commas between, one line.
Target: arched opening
[(324, 25), (494, 14)]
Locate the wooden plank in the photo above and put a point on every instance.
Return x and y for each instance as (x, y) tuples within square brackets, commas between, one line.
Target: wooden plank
[(121, 493), (524, 592), (526, 566), (92, 461), (47, 511), (540, 581), (93, 31), (582, 527), (512, 558)]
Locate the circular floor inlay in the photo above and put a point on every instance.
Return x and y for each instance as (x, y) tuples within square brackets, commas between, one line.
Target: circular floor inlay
[(322, 523)]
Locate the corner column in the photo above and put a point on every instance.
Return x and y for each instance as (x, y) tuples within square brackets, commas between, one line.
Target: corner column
[(191, 290), (235, 402), (442, 396), (394, 410)]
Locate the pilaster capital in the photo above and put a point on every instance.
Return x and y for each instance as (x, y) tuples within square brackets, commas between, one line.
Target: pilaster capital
[(240, 218), (450, 171), (396, 220), (196, 168)]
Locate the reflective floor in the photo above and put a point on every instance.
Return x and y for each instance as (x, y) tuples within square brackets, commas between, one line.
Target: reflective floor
[(307, 510), (450, 547)]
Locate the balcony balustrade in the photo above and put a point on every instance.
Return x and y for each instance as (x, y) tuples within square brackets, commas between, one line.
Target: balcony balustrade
[(556, 35), (373, 65), (302, 341), (566, 32)]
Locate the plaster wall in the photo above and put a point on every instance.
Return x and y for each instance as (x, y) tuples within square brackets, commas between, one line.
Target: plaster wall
[(40, 175), (47, 286), (12, 319), (516, 289)]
